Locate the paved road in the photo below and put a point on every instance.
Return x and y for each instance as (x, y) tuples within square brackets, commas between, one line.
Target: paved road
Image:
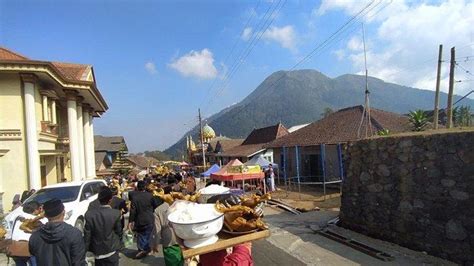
[(263, 253)]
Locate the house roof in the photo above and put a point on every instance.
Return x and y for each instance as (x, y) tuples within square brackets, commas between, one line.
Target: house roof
[(70, 72), (242, 150), (265, 134), (101, 157), (342, 126), (110, 144), (142, 161), (227, 144)]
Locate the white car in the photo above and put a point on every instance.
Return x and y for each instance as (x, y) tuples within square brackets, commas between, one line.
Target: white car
[(75, 196)]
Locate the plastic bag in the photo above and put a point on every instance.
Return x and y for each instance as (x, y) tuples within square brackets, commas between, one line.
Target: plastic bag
[(128, 239)]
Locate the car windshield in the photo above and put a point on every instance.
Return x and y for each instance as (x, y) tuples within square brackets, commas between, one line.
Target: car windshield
[(65, 194)]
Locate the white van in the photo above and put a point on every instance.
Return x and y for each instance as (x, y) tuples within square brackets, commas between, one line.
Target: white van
[(75, 196)]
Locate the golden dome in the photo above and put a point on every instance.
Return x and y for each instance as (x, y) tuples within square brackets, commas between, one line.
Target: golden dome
[(208, 132)]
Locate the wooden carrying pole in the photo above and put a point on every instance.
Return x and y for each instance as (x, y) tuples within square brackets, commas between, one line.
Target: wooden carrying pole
[(438, 78), (449, 123)]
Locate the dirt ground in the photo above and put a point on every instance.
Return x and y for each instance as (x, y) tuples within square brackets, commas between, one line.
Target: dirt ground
[(310, 198)]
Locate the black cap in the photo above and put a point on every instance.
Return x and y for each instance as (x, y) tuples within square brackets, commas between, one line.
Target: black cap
[(53, 208)]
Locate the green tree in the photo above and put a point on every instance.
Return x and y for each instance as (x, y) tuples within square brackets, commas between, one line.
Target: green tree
[(418, 119), (327, 111), (463, 116)]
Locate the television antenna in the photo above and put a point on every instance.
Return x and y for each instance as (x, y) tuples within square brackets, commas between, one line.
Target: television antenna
[(366, 110)]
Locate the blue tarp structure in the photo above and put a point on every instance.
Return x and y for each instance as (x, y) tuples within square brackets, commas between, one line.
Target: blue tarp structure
[(259, 160), (211, 170)]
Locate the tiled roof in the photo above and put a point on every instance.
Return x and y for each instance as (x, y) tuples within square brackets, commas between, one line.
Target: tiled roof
[(101, 157), (142, 161), (227, 144), (342, 126), (6, 54), (74, 72), (242, 150), (110, 144), (265, 134)]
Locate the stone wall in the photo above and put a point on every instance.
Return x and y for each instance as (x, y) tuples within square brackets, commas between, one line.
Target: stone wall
[(414, 190)]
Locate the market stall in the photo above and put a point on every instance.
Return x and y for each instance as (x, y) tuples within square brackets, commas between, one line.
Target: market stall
[(235, 171), (211, 170)]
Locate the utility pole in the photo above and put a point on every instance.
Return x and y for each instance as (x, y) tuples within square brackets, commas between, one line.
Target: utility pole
[(202, 142), (438, 78), (451, 89)]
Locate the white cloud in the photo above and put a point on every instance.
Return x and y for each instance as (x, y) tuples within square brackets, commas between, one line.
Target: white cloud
[(198, 64), (246, 34), (150, 67), (355, 44), (285, 36), (340, 54), (404, 47)]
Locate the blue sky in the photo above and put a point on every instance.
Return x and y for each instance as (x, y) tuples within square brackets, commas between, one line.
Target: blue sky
[(155, 61)]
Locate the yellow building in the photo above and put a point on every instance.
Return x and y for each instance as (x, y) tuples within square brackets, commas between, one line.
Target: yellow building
[(38, 143)]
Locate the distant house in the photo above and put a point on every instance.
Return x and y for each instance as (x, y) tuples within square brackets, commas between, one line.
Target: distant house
[(110, 153), (254, 145), (314, 153), (142, 163), (213, 146)]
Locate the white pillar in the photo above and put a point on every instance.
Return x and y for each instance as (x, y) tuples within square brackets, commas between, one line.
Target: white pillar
[(91, 146), (34, 173), (73, 137), (53, 112), (90, 167), (80, 141), (45, 108)]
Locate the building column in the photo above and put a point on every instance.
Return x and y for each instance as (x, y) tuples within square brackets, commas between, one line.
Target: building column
[(80, 138), (34, 173), (53, 112), (91, 146), (73, 135), (90, 167), (45, 108)]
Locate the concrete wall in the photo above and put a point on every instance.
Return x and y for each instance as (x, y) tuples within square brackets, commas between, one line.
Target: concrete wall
[(417, 191), (13, 171)]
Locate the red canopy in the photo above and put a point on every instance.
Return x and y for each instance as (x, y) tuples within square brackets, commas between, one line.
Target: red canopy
[(224, 175)]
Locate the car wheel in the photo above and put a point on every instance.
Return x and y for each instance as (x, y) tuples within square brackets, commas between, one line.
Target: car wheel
[(80, 225)]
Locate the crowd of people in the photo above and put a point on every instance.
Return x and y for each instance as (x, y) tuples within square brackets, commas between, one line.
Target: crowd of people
[(58, 243)]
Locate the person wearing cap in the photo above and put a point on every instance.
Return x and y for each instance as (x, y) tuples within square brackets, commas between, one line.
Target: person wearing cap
[(103, 230), (141, 219), (57, 243)]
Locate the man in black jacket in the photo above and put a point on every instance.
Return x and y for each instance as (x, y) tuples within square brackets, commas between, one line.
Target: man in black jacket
[(57, 243), (119, 204), (102, 231), (141, 218)]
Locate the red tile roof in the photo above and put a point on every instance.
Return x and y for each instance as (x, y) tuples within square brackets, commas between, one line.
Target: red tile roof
[(6, 54), (266, 134), (342, 126), (69, 71), (73, 71)]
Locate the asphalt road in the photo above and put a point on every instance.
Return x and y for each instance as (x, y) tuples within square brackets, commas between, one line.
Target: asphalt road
[(263, 253)]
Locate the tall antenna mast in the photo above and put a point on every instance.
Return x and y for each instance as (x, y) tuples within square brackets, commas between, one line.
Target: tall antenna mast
[(366, 111)]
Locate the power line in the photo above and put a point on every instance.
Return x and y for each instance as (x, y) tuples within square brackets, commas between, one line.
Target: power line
[(465, 70), (256, 36), (233, 48), (326, 42)]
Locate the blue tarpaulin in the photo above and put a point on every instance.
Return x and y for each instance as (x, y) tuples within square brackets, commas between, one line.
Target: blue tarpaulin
[(211, 170)]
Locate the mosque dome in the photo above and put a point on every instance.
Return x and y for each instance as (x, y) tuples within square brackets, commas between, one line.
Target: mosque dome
[(208, 132)]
